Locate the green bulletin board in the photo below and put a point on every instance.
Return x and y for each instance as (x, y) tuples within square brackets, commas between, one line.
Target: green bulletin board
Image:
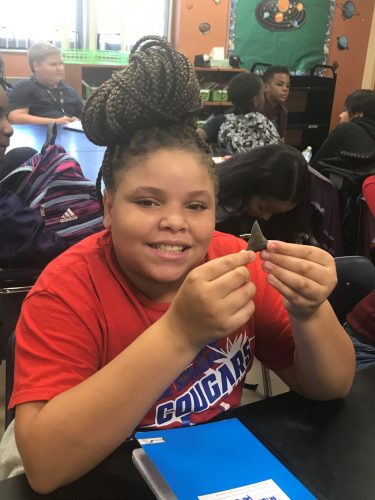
[(288, 32)]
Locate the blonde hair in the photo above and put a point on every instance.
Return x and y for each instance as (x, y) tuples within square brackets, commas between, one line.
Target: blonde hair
[(39, 51)]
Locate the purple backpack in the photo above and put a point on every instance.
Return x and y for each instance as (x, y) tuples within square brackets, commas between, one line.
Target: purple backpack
[(53, 183)]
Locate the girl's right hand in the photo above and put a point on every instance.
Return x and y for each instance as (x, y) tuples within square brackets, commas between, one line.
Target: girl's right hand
[(214, 300)]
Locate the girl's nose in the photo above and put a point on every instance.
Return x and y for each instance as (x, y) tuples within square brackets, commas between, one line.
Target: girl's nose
[(173, 221)]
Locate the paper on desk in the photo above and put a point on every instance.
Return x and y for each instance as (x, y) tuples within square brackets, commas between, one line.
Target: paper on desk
[(258, 491), (76, 125)]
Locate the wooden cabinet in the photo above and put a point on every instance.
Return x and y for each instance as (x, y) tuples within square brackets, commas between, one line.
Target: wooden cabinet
[(215, 79), (93, 74)]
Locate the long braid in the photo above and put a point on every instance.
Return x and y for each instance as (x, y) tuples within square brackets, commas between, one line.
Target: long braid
[(157, 95)]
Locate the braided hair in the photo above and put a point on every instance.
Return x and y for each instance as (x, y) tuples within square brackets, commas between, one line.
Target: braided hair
[(150, 104)]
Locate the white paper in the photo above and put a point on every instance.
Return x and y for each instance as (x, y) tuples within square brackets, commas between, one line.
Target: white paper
[(264, 490), (76, 125)]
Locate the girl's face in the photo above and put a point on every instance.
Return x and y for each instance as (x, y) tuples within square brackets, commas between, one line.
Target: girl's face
[(6, 129), (161, 215), (265, 208)]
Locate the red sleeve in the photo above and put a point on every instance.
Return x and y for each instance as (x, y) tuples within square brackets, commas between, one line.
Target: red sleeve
[(368, 190), (57, 348)]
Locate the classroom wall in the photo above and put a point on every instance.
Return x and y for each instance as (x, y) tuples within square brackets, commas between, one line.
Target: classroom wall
[(187, 15), (190, 13), (351, 61), (15, 64)]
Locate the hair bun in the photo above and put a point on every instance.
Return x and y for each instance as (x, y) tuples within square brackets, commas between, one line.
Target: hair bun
[(158, 88)]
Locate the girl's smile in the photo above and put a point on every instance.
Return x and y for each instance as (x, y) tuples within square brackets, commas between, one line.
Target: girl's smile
[(161, 215)]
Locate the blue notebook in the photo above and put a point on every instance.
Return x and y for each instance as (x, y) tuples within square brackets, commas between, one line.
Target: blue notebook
[(209, 461)]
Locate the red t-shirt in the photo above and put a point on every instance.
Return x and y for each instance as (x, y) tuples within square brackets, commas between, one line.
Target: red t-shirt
[(362, 317), (83, 311), (368, 190)]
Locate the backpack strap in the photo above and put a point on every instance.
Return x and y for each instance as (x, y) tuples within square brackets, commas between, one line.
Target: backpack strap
[(50, 136)]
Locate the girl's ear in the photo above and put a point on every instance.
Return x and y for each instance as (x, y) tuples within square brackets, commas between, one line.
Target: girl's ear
[(107, 204)]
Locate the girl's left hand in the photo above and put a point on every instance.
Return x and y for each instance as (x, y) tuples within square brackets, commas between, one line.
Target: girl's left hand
[(304, 275)]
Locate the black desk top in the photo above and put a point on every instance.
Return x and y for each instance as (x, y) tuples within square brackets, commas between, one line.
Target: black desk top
[(330, 446)]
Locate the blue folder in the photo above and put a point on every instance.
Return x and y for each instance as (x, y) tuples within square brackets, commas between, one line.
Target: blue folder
[(215, 457)]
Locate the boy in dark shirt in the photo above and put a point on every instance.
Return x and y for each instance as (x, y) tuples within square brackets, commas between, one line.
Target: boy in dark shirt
[(356, 131), (44, 97), (276, 91)]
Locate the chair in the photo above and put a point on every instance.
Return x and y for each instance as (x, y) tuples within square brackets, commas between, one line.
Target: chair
[(9, 377), (356, 279), (14, 285), (323, 213)]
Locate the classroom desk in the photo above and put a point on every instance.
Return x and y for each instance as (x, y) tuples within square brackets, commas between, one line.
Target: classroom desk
[(330, 445), (88, 154)]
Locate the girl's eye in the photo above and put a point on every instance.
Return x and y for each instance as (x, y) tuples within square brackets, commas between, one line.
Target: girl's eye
[(146, 202), (197, 206)]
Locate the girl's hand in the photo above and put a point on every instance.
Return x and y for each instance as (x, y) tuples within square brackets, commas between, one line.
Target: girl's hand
[(214, 300), (304, 275)]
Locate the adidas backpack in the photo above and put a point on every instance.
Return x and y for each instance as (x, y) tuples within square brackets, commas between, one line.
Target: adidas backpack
[(53, 183)]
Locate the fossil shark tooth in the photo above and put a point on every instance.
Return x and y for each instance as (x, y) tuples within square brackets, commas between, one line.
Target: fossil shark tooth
[(257, 241)]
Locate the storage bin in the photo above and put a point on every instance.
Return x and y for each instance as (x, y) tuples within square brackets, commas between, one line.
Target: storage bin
[(88, 56), (205, 94), (78, 56), (219, 95), (111, 57)]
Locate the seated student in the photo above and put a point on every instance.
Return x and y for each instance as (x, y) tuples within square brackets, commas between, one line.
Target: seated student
[(136, 316), (246, 128), (14, 158), (265, 183), (44, 97), (360, 326), (3, 83), (24, 240), (276, 91), (208, 131), (355, 133)]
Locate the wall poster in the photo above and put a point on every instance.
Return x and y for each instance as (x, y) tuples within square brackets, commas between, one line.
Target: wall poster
[(293, 33)]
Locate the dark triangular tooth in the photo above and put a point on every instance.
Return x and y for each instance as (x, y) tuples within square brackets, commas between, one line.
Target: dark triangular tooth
[(257, 241)]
